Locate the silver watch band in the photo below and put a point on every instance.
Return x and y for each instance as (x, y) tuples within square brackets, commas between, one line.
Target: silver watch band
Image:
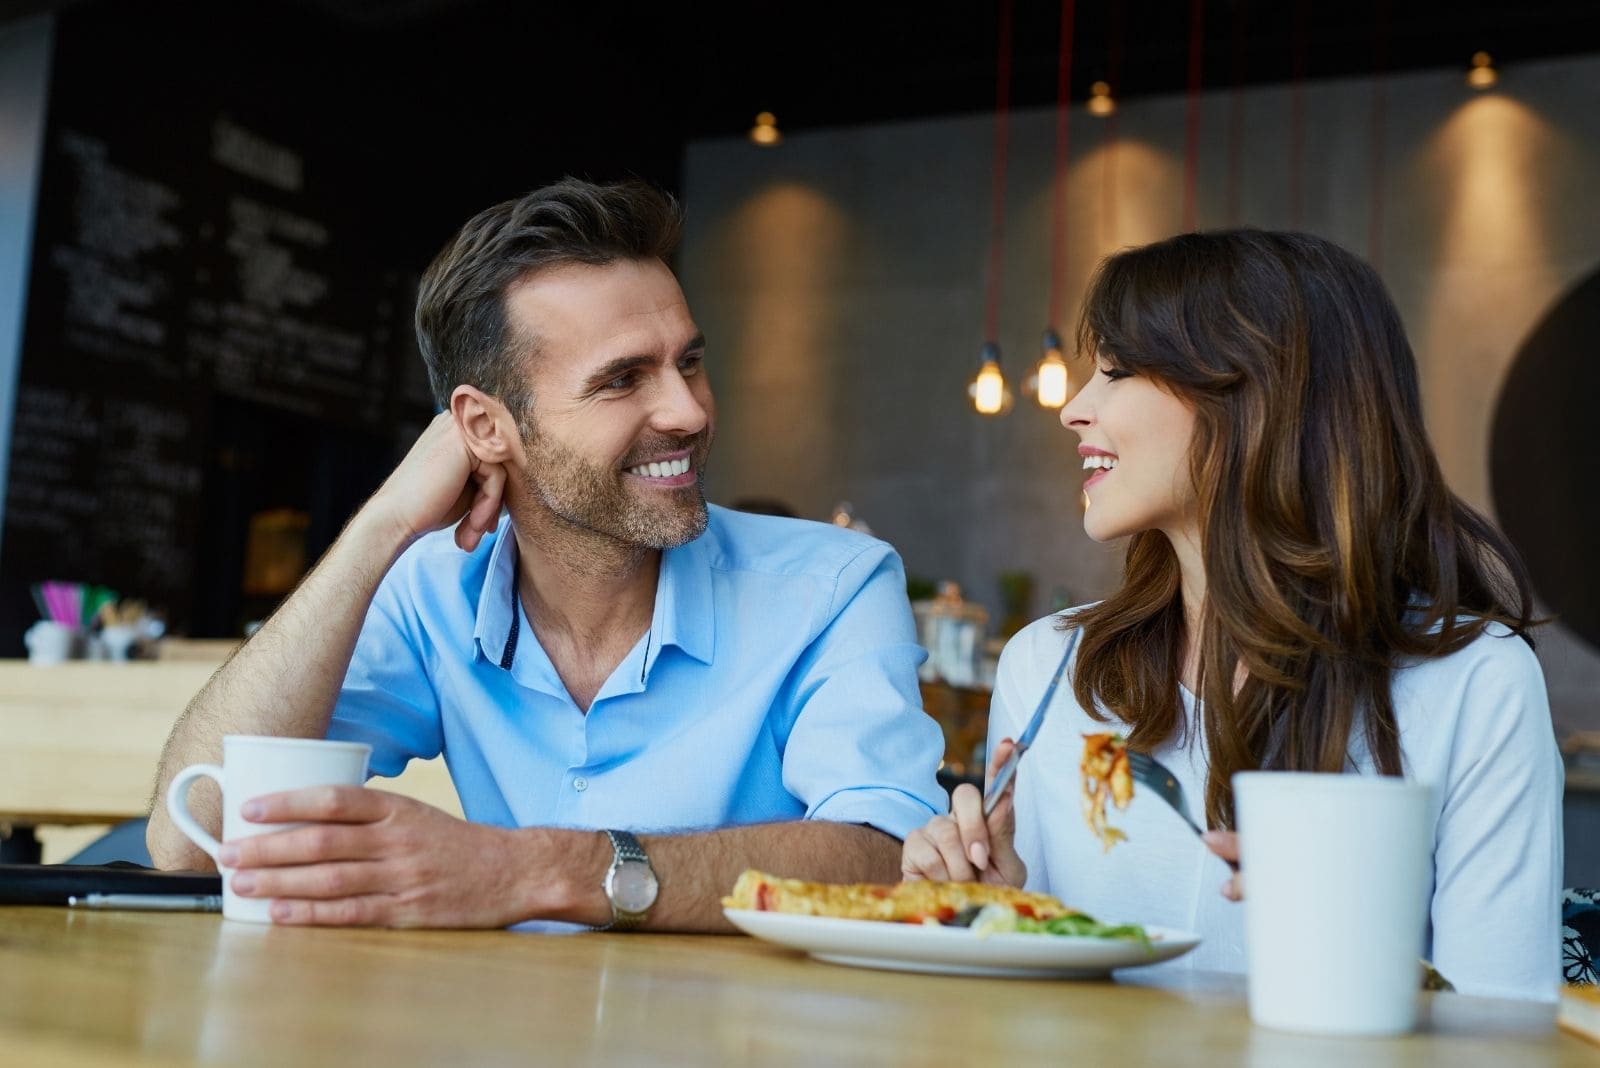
[(627, 846), (625, 849)]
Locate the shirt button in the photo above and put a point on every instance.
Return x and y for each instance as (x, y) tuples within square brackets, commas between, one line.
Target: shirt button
[(580, 784)]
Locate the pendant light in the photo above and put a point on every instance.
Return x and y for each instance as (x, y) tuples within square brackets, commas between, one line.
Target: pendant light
[(1048, 383), (988, 390)]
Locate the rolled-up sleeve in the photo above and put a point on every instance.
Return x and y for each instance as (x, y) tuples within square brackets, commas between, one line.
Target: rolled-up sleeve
[(387, 699), (861, 749)]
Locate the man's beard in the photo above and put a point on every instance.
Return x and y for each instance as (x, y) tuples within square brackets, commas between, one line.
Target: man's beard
[(596, 499)]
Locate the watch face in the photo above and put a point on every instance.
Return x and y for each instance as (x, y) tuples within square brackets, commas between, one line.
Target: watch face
[(633, 886)]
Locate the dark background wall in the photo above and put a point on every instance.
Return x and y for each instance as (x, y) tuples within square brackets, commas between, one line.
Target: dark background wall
[(236, 199), (235, 202)]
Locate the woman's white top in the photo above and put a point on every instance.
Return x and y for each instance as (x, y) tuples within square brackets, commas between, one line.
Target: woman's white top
[(1475, 725)]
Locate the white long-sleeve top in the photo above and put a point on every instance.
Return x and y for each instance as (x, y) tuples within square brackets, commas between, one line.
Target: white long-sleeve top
[(1475, 725)]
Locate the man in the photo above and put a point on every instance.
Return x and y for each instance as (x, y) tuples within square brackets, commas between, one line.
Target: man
[(633, 693)]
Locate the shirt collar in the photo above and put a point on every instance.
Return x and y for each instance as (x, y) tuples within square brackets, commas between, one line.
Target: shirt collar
[(496, 627), (683, 614)]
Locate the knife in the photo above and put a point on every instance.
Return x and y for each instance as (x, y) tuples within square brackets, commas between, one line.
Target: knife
[(1002, 778)]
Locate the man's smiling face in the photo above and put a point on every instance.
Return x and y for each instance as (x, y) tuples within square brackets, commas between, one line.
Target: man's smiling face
[(622, 414)]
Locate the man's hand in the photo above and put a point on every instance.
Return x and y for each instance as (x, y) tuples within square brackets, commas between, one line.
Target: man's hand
[(370, 858), (439, 482)]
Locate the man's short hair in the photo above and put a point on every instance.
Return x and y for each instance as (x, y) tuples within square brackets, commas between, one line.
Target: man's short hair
[(461, 318)]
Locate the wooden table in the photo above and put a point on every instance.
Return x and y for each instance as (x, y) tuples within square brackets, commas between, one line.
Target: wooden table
[(106, 988), (79, 741)]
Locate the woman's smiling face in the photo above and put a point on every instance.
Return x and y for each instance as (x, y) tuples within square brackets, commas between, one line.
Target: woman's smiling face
[(1135, 440)]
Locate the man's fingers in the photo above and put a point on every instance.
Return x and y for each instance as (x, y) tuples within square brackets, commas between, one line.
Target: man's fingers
[(320, 804), (484, 510), (370, 910), (315, 844), (342, 879)]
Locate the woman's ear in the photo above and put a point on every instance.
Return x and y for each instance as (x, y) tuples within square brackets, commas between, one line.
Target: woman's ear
[(486, 425)]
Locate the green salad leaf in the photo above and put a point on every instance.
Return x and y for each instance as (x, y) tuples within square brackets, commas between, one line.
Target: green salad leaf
[(1002, 919)]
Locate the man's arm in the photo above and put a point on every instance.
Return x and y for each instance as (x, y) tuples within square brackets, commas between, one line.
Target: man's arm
[(373, 858), (285, 680)]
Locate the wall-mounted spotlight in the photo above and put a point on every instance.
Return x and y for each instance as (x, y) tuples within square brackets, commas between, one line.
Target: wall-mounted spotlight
[(1100, 102), (765, 132), (1482, 75)]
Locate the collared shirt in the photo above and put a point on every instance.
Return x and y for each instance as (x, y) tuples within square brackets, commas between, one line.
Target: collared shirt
[(777, 681)]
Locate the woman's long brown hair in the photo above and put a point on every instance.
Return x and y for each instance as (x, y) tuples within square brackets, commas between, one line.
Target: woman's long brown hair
[(1333, 550)]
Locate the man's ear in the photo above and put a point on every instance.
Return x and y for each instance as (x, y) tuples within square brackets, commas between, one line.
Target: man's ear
[(486, 425)]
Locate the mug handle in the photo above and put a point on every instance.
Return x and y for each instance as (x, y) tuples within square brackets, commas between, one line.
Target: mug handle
[(178, 805)]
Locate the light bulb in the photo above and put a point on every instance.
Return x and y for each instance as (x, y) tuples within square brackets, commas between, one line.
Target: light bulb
[(988, 389), (765, 131), (1482, 75), (1100, 102), (1050, 378)]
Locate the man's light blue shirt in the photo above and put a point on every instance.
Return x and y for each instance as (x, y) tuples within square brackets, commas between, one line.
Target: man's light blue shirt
[(777, 681)]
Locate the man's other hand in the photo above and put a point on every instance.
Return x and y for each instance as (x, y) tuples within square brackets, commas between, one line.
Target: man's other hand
[(370, 858), (441, 482)]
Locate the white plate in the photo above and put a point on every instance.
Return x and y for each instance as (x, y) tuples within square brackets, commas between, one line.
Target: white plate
[(911, 947)]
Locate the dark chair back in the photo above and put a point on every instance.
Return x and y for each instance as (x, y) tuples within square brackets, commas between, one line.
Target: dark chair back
[(1580, 935)]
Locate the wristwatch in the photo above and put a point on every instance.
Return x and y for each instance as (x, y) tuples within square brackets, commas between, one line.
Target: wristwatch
[(630, 884)]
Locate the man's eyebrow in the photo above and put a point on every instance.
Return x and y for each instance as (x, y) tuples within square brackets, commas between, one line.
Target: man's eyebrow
[(623, 364), (618, 367)]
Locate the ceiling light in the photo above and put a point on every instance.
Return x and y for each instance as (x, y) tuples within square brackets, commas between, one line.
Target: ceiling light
[(988, 390), (1482, 75), (1048, 383), (1100, 102), (765, 131)]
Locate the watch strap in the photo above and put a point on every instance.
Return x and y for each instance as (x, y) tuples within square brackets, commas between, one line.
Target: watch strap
[(625, 846)]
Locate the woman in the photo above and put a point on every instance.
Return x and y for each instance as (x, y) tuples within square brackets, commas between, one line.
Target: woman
[(1301, 591)]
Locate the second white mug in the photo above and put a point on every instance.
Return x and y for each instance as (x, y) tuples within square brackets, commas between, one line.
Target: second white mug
[(1337, 875), (253, 766)]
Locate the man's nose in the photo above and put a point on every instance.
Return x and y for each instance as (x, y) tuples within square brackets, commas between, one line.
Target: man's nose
[(679, 407)]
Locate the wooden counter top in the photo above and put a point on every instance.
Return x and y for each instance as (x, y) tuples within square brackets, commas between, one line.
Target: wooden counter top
[(108, 988)]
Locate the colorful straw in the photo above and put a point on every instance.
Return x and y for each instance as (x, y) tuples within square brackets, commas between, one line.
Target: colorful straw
[(72, 604)]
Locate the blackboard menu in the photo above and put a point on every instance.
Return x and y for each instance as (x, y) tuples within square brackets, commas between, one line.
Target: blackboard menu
[(192, 242)]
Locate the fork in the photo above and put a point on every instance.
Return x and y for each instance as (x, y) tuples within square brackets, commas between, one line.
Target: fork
[(1150, 772)]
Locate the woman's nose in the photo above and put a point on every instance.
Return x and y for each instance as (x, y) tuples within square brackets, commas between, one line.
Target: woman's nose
[(1079, 411)]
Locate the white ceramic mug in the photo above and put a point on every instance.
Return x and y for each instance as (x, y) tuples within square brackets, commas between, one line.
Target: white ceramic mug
[(1337, 872), (253, 766)]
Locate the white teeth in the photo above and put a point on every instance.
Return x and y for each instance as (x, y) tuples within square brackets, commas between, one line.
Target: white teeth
[(670, 469), (1091, 462)]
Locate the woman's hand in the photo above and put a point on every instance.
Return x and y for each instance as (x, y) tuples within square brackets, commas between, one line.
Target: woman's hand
[(1225, 844), (965, 847)]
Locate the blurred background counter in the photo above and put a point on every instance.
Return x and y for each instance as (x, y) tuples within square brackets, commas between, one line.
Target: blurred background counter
[(79, 743)]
